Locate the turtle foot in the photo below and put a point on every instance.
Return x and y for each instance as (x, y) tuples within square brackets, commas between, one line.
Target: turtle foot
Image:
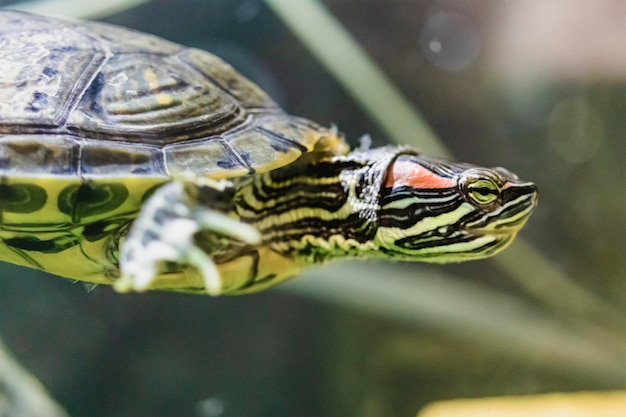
[(164, 233)]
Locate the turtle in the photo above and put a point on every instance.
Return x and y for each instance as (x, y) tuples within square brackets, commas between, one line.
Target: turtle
[(130, 160)]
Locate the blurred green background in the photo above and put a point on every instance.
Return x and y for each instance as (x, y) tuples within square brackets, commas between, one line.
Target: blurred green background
[(537, 88)]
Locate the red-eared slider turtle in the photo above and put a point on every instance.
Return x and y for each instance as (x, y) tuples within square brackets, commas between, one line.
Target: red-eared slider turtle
[(126, 159)]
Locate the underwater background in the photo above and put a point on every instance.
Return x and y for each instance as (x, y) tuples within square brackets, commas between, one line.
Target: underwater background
[(536, 87)]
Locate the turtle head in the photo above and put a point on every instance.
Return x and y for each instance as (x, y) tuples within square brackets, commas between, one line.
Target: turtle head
[(389, 202), (433, 210)]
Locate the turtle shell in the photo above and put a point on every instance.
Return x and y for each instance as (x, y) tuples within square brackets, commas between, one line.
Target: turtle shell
[(94, 116), (94, 100)]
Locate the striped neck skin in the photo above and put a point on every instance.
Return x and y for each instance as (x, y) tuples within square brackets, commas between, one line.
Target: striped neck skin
[(388, 202)]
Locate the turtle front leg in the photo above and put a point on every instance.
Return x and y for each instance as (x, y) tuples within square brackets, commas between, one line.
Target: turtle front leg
[(165, 228)]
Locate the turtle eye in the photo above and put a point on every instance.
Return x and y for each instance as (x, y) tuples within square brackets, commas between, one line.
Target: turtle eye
[(482, 191)]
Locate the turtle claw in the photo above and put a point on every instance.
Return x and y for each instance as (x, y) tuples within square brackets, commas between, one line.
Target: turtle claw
[(220, 223), (208, 270), (164, 232)]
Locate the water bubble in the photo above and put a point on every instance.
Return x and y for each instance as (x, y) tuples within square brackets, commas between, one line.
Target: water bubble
[(435, 46), (211, 407), (449, 41), (247, 11), (575, 130)]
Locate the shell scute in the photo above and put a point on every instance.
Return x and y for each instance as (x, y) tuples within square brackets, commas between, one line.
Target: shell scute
[(103, 159), (29, 155), (212, 158), (153, 99), (40, 94), (262, 150), (302, 133), (224, 75)]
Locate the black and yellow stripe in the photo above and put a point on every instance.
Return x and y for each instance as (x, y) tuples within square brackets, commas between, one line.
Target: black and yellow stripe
[(342, 206)]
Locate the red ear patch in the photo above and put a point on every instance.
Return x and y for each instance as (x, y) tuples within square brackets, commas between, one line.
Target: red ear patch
[(405, 173)]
